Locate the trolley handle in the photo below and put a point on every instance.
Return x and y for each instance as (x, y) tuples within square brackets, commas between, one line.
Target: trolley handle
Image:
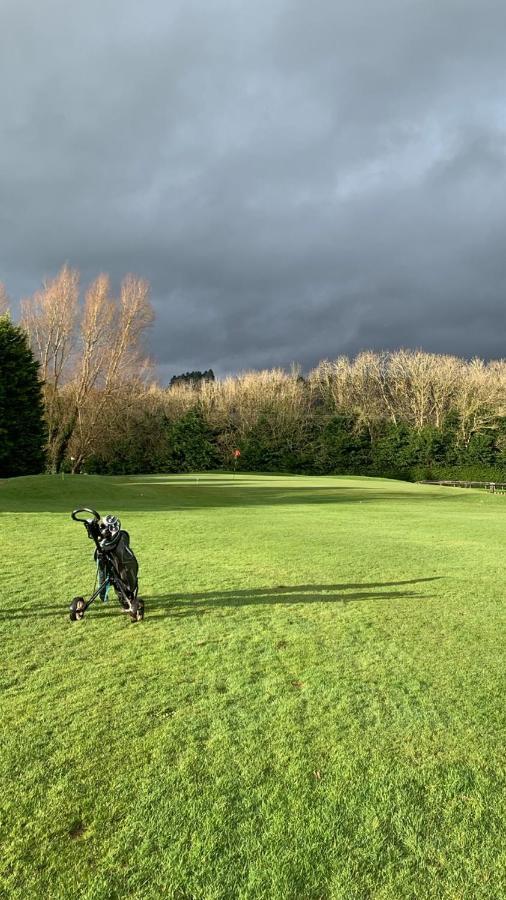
[(81, 509)]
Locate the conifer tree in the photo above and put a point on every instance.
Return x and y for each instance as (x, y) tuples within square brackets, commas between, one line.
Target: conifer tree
[(22, 429)]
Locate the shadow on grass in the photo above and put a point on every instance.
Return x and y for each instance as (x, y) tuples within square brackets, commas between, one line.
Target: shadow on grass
[(179, 605), (170, 495)]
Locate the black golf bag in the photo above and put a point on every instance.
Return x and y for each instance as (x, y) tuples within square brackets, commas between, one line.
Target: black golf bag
[(117, 566)]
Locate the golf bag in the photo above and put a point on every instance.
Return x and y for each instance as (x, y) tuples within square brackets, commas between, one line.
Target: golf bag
[(117, 566)]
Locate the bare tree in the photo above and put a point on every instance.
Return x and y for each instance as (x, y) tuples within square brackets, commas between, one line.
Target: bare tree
[(50, 318), (4, 300), (479, 397), (360, 387), (447, 375), (87, 352), (110, 356), (414, 387)]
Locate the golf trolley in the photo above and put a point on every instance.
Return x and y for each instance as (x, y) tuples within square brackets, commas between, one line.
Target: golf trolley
[(117, 566)]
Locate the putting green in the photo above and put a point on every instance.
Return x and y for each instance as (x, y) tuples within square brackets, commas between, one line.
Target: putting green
[(312, 708)]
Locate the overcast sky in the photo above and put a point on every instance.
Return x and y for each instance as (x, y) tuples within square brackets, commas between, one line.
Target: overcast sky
[(296, 179)]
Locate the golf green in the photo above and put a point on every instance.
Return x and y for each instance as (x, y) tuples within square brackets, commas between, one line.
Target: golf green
[(312, 709)]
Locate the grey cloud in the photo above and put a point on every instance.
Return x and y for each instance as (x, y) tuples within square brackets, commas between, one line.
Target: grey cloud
[(295, 180)]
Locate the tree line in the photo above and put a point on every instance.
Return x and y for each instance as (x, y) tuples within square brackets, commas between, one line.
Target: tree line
[(406, 414)]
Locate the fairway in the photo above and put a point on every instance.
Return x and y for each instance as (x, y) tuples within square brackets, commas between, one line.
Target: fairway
[(312, 709)]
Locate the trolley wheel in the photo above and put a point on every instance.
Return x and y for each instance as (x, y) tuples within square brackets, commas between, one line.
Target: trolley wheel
[(137, 610), (77, 609)]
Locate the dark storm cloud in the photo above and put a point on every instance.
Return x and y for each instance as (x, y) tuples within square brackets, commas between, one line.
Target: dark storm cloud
[(295, 180)]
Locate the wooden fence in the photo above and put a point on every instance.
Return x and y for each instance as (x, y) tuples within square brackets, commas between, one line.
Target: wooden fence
[(494, 487)]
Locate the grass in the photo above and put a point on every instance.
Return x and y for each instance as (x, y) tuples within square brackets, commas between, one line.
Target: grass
[(312, 709)]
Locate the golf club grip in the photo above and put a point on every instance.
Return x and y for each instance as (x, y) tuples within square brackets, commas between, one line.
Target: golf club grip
[(81, 509)]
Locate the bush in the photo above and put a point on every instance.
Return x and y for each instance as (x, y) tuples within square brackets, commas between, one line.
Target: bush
[(393, 453), (460, 473), (342, 447), (191, 446)]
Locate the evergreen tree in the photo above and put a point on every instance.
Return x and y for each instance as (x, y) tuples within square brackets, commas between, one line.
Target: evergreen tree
[(22, 429), (193, 379)]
